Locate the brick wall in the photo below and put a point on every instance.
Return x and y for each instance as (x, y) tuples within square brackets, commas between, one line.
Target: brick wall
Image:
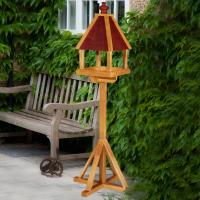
[(138, 4)]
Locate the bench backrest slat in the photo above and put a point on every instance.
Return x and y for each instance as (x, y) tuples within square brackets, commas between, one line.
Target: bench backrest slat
[(75, 111), (47, 90), (72, 96), (51, 94), (95, 96), (42, 91), (62, 90), (80, 114), (68, 90), (37, 92), (30, 97)]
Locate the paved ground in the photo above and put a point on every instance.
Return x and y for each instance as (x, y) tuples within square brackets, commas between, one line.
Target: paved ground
[(20, 177)]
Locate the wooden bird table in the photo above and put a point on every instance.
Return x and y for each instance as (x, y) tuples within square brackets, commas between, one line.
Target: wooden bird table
[(103, 34)]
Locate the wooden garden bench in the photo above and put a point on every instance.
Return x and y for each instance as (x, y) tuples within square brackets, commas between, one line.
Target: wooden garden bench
[(51, 109)]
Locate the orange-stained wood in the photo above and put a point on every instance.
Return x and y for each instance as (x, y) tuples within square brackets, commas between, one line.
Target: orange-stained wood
[(98, 157), (82, 59), (113, 38), (109, 60), (98, 58), (103, 72), (108, 33), (102, 167), (102, 110), (125, 59), (91, 177)]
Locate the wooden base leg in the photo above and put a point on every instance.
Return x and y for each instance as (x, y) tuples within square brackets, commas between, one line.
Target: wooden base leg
[(101, 153)]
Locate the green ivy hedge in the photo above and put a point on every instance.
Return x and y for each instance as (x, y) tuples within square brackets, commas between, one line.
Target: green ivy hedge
[(24, 25), (154, 114)]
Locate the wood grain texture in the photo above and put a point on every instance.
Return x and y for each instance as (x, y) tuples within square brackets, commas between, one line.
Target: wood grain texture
[(82, 59), (41, 94), (30, 97), (109, 60), (75, 111), (98, 58), (51, 107), (37, 91), (102, 110), (125, 59), (72, 93), (16, 89), (104, 72), (47, 90)]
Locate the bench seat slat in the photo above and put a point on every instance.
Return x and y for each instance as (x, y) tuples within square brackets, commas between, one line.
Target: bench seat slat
[(27, 123), (41, 125), (49, 116), (48, 119)]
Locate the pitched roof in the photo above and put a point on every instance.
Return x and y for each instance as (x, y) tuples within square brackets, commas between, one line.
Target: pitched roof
[(103, 34)]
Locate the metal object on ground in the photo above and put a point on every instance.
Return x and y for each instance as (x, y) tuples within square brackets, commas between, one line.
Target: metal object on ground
[(51, 167)]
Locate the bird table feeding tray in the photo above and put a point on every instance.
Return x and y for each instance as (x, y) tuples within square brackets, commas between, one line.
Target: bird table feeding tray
[(103, 35)]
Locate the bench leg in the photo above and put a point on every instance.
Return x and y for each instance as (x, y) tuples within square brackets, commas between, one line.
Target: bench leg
[(95, 139), (54, 145)]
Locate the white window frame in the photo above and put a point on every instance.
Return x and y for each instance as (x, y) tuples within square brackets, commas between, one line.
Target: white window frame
[(79, 13)]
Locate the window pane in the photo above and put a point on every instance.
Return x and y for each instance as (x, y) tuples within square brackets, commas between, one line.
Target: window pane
[(121, 10), (95, 8), (111, 6), (72, 15), (63, 18), (86, 14)]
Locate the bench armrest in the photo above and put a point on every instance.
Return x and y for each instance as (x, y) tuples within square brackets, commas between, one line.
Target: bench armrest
[(52, 107), (16, 89)]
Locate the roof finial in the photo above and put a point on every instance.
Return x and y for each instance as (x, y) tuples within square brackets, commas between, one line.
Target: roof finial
[(104, 8)]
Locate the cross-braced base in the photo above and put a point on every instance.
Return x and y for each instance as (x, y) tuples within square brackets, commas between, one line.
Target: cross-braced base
[(98, 158)]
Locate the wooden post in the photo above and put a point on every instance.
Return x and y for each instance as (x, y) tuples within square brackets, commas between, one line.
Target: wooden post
[(102, 110), (125, 59), (98, 59), (109, 60), (102, 130), (82, 59)]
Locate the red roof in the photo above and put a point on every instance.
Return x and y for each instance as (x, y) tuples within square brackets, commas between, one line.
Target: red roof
[(103, 34)]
